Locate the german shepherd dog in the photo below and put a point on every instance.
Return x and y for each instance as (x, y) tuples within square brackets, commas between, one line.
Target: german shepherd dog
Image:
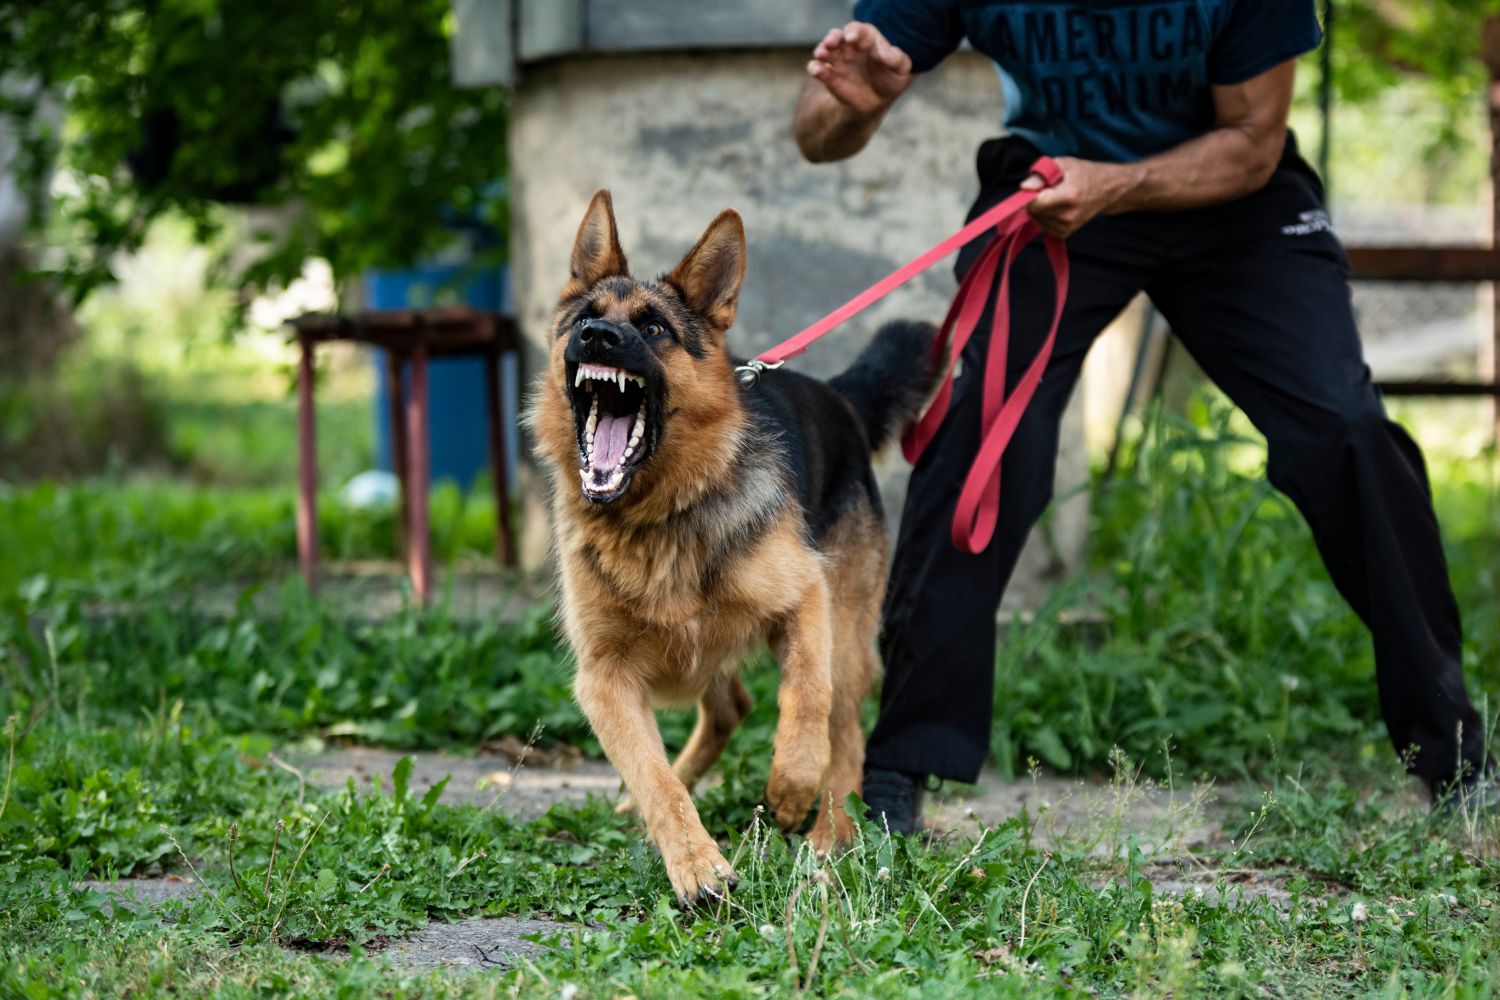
[(695, 519)]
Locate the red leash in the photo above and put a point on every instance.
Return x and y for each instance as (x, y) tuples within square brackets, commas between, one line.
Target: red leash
[(979, 501)]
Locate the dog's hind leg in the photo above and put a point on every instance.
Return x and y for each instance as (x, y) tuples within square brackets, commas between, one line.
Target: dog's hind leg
[(854, 668), (858, 585), (621, 715), (800, 754), (720, 711)]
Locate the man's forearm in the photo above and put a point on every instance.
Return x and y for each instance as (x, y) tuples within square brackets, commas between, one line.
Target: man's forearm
[(1235, 158), (1218, 166), (827, 129)]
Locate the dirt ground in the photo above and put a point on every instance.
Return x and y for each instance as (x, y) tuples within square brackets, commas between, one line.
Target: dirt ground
[(1069, 808), (476, 943), (487, 780)]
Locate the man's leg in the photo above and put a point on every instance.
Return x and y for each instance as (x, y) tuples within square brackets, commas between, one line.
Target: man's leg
[(938, 639), (1270, 321)]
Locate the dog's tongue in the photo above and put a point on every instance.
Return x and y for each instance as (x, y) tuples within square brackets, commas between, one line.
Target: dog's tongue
[(610, 436)]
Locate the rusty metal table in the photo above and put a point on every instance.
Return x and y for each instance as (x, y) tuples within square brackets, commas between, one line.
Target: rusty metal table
[(409, 337)]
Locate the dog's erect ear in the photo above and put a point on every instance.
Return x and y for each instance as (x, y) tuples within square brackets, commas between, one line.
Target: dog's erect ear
[(596, 251), (709, 277)]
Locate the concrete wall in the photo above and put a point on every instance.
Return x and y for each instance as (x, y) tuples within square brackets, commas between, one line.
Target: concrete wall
[(493, 39), (677, 138)]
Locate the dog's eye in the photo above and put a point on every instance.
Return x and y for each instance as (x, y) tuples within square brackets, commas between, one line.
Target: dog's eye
[(655, 329)]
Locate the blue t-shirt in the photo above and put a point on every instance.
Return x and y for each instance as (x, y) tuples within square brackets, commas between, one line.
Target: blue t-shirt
[(1109, 80)]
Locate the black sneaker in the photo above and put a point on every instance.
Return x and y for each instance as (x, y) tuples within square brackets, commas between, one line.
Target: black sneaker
[(893, 800)]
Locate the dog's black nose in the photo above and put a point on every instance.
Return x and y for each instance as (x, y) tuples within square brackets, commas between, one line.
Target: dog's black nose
[(605, 335)]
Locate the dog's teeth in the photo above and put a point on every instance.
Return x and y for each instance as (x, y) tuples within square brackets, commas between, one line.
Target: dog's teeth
[(629, 450), (579, 380)]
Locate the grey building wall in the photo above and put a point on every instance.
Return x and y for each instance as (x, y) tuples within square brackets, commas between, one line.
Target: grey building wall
[(495, 38), (679, 137)]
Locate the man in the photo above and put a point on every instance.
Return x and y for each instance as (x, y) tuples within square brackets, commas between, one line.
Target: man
[(1168, 120)]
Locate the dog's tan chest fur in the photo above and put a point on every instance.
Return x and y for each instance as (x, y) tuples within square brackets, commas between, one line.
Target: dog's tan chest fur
[(644, 598)]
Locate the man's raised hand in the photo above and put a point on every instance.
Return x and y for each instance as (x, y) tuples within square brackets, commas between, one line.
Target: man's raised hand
[(860, 68)]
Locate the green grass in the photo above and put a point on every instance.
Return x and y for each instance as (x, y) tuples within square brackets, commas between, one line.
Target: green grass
[(1227, 642), (320, 868), (420, 681), (142, 730), (149, 535)]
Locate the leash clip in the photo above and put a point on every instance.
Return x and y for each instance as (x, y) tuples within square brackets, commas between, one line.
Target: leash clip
[(749, 372)]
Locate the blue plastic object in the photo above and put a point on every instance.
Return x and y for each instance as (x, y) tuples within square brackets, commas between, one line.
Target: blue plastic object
[(460, 441)]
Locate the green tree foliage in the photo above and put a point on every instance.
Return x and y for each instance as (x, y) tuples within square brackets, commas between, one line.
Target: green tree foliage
[(344, 112), (1378, 43)]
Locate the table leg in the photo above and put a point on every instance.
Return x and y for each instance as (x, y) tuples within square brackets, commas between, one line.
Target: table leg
[(498, 478), (399, 455), (307, 467), (419, 542)]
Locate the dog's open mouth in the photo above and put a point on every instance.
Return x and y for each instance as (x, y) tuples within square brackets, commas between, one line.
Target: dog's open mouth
[(612, 413)]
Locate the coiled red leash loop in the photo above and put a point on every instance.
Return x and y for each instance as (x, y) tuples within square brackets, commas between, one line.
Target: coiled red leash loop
[(1012, 229)]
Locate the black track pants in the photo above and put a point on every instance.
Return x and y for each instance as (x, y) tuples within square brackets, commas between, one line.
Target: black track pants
[(1257, 291)]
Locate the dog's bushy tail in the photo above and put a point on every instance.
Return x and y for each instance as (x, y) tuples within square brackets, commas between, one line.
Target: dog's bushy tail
[(891, 380)]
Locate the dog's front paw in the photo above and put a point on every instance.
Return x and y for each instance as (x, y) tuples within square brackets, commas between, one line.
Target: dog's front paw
[(791, 793), (702, 879)]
